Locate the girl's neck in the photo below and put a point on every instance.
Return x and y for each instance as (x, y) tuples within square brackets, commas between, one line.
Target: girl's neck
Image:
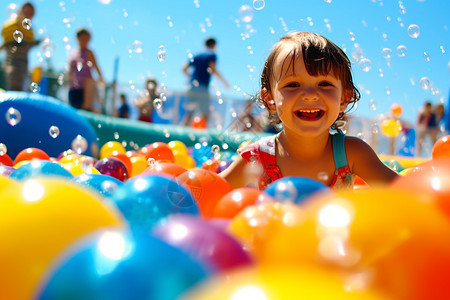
[(302, 147)]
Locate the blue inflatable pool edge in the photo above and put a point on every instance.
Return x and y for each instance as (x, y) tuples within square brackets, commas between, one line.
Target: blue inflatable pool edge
[(26, 119)]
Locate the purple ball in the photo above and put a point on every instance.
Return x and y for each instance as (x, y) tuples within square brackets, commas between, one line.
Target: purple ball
[(113, 167), (204, 241), (6, 170)]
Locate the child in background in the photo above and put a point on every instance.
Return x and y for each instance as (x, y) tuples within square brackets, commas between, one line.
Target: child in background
[(124, 109), (145, 102), (82, 86), (307, 83)]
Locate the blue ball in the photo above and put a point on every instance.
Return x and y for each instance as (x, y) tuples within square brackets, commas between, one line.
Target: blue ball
[(104, 184), (117, 265), (294, 189), (40, 168), (201, 152), (146, 199)]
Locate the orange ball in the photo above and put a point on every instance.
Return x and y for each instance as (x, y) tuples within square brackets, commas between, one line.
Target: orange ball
[(198, 123), (31, 153), (207, 187), (139, 164), (157, 151), (441, 148), (166, 168), (124, 158), (235, 201)]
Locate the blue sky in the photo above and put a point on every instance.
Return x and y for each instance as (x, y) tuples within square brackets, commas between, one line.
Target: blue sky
[(363, 28)]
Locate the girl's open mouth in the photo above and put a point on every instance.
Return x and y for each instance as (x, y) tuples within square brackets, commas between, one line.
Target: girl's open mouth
[(309, 114)]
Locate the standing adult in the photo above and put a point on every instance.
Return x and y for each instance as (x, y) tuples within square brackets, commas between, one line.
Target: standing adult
[(18, 38), (82, 86), (199, 69)]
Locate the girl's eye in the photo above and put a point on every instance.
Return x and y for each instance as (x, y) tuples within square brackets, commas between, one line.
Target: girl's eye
[(325, 83), (292, 84)]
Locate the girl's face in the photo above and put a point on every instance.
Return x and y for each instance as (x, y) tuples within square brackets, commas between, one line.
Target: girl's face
[(83, 40), (306, 105)]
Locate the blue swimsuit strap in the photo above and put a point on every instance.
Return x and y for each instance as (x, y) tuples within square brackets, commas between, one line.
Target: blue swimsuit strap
[(340, 158)]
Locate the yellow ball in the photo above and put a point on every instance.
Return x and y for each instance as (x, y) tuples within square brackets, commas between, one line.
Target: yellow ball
[(177, 146), (38, 221), (184, 160), (111, 146), (391, 128), (139, 164)]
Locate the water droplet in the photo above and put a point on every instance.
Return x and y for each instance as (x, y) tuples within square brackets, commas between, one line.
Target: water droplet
[(425, 83), (157, 103), (79, 144), (374, 128), (48, 48), (53, 131), (26, 23), (79, 66), (401, 50), (365, 64), (18, 36), (151, 161), (386, 52), (372, 104), (137, 46), (13, 116), (3, 149), (426, 56), (259, 4), (116, 135), (351, 36), (245, 13), (34, 87), (162, 53), (413, 31), (322, 176), (387, 90)]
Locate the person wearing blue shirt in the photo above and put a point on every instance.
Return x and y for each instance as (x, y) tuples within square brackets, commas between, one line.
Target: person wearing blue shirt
[(199, 69)]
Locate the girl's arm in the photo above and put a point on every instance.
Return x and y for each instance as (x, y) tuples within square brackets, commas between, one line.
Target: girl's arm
[(364, 162), (235, 173)]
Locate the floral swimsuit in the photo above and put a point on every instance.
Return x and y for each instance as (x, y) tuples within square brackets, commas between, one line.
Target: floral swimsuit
[(263, 151)]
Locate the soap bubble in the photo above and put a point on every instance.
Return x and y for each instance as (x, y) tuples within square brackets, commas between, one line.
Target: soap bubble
[(386, 52), (258, 4), (13, 116), (26, 23), (426, 56), (34, 87), (425, 83), (401, 50), (137, 46), (18, 36), (79, 144), (413, 31), (365, 64), (53, 131), (157, 103), (162, 53), (245, 13), (3, 149)]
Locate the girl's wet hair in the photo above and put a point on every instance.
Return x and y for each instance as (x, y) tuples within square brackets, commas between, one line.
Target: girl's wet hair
[(321, 57)]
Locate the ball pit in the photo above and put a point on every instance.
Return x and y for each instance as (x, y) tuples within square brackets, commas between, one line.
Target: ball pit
[(157, 221)]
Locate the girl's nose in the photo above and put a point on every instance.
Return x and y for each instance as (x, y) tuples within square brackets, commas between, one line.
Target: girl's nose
[(310, 94)]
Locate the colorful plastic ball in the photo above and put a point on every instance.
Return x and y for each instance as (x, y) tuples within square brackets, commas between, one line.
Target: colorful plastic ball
[(441, 148), (108, 148), (395, 238), (76, 169), (40, 168), (6, 181), (396, 110), (38, 221), (29, 154), (139, 164), (146, 199), (116, 265), (194, 235), (391, 128), (281, 282), (177, 146), (157, 151), (6, 170), (207, 187), (184, 160), (103, 184), (235, 201), (112, 166), (124, 158), (198, 123), (294, 189), (170, 169), (5, 160), (211, 165), (201, 152)]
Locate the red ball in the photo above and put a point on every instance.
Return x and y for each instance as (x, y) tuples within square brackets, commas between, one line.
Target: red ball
[(235, 201), (198, 123), (158, 151), (30, 153), (207, 187), (166, 168), (441, 148), (6, 160), (113, 167)]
